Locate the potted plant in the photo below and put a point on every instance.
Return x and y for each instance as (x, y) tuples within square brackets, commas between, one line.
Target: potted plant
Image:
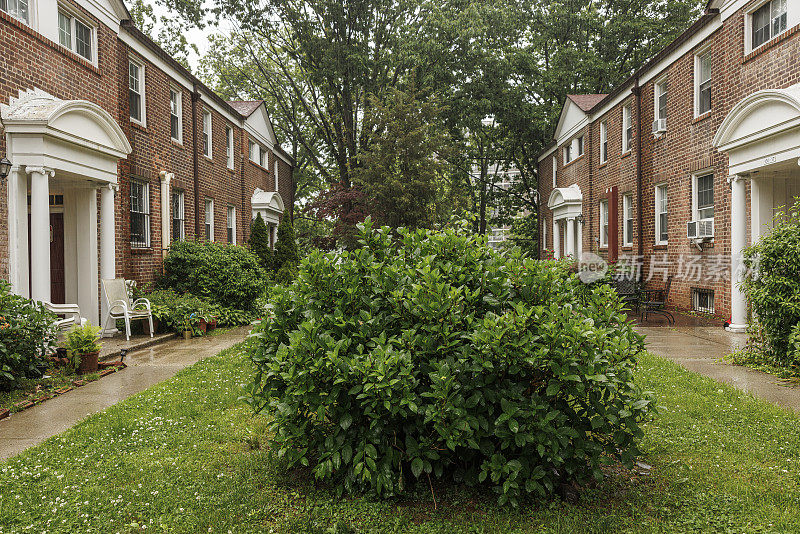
[(82, 344), (187, 328)]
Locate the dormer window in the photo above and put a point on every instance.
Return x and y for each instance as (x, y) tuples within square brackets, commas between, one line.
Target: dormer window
[(75, 35), (16, 8)]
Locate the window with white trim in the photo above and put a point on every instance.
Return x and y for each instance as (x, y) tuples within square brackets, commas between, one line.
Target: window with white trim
[(567, 152), (229, 146), (264, 158), (76, 35), (660, 100), (627, 216), (702, 83), (627, 128), (176, 114), (603, 142), (140, 214), (703, 196), (767, 22), (231, 225), (276, 174), (544, 234), (253, 149), (209, 219), (16, 8), (662, 230), (178, 216), (604, 223), (555, 169), (136, 91), (207, 129)]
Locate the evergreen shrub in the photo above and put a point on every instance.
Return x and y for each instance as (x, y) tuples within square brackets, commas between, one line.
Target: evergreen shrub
[(424, 354)]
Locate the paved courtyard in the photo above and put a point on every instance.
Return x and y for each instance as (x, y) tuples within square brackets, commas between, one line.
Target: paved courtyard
[(700, 349), (146, 368)]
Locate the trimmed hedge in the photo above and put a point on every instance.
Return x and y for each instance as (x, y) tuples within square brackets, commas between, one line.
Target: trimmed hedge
[(424, 354), (228, 275)]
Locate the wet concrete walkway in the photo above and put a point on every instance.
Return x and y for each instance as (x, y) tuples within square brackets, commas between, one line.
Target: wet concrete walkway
[(700, 348), (146, 368)]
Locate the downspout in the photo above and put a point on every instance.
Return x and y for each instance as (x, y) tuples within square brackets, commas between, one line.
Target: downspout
[(637, 92), (195, 162)]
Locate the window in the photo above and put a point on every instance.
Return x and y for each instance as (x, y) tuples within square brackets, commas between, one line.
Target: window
[(767, 22), (555, 169), (136, 91), (75, 35), (662, 233), (176, 114), (209, 220), (627, 215), (16, 8), (544, 234), (660, 100), (603, 142), (264, 158), (702, 83), (627, 129), (604, 223), (207, 133), (276, 174), (178, 216), (580, 146), (573, 149), (232, 225), (567, 153), (254, 150), (140, 214), (703, 300), (704, 197), (229, 145)]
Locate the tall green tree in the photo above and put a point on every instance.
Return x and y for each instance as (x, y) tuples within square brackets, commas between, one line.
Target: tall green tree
[(259, 241)]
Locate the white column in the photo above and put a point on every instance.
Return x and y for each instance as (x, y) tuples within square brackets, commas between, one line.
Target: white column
[(166, 178), (108, 248), (569, 245), (18, 231), (556, 240), (738, 243), (86, 243), (40, 232)]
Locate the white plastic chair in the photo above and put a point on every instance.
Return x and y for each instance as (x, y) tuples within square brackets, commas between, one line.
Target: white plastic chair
[(72, 313), (121, 307)]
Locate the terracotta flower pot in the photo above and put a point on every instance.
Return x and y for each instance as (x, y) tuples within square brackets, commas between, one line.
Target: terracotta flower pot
[(212, 325), (88, 363), (203, 326), (155, 326)]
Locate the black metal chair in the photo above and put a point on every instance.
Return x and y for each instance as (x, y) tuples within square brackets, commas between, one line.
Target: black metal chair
[(629, 290), (655, 301)]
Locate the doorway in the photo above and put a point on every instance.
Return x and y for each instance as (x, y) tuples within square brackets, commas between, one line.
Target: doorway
[(57, 280)]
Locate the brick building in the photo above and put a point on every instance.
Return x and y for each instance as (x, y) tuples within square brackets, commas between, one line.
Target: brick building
[(684, 164), (116, 151)]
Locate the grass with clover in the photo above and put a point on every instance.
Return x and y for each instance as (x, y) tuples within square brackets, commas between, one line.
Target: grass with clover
[(188, 456)]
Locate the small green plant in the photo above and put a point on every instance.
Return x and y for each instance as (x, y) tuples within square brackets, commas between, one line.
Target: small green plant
[(82, 340)]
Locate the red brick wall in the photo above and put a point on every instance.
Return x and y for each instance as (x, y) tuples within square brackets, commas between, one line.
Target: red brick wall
[(33, 61), (675, 156)]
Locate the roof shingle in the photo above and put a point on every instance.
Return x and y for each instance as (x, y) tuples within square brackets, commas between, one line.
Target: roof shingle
[(586, 102), (245, 107)]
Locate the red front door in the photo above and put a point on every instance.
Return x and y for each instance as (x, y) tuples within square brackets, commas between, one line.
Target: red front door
[(57, 258)]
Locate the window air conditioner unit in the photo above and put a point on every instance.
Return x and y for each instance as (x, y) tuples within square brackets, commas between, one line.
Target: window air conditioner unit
[(659, 126), (702, 229)]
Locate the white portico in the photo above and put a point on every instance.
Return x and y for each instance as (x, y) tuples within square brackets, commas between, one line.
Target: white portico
[(761, 136), (270, 205), (566, 204), (65, 155)]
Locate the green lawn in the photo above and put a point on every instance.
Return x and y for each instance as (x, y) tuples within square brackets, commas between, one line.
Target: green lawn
[(187, 456)]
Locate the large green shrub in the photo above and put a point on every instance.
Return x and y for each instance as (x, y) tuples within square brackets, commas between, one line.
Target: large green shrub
[(427, 354), (259, 241), (228, 275), (27, 335), (772, 287), (287, 255)]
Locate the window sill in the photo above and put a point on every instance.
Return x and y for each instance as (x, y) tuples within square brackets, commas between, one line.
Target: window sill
[(177, 143), (625, 154), (141, 250), (658, 136), (772, 43), (660, 246), (208, 158), (259, 166), (602, 164), (565, 165), (702, 117), (138, 125)]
